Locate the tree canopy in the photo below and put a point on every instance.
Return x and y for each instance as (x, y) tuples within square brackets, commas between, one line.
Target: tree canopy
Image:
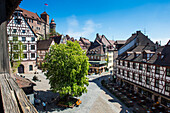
[(67, 66)]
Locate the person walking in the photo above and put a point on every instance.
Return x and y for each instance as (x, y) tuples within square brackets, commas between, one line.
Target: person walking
[(44, 105)]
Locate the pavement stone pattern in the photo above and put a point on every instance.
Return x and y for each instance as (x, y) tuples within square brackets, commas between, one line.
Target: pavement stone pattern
[(96, 100)]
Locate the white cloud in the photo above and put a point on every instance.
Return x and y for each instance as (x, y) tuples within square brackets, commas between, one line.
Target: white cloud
[(72, 21), (75, 30)]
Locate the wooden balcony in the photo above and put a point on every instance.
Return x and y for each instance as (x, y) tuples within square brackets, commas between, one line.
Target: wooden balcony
[(13, 97)]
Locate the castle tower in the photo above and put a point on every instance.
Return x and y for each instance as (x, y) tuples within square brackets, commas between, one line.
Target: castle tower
[(45, 17), (52, 25)]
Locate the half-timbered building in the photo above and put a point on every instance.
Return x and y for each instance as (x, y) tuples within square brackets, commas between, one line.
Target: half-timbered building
[(99, 52), (144, 67), (39, 24), (43, 47), (19, 30)]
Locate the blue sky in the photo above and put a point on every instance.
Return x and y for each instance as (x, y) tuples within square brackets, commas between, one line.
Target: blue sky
[(116, 19)]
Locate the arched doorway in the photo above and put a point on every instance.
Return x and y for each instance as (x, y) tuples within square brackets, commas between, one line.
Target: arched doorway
[(21, 68)]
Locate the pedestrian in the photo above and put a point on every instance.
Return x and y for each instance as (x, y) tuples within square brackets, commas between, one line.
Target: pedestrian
[(44, 105), (126, 111)]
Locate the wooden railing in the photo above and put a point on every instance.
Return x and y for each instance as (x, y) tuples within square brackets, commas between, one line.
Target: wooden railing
[(14, 99)]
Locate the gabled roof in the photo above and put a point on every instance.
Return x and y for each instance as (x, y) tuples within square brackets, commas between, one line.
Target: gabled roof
[(164, 57), (160, 56), (57, 39), (23, 82), (102, 39), (44, 44), (26, 23), (29, 14), (84, 40), (112, 42), (141, 39)]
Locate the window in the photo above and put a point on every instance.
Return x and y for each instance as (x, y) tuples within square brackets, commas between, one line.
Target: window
[(23, 31), (24, 47), (140, 66), (18, 21), (157, 70), (167, 71), (23, 38), (123, 63), (15, 38), (134, 65), (94, 57), (123, 73), (32, 39), (14, 30), (28, 30), (30, 67), (118, 71), (15, 47), (147, 80), (25, 55), (156, 83), (128, 74), (119, 62), (167, 86), (32, 27), (128, 64), (148, 56), (15, 55), (133, 76), (148, 68), (140, 78), (32, 55), (32, 47)]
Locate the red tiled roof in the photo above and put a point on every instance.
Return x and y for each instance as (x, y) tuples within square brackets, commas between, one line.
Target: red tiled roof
[(44, 13), (29, 14), (23, 82)]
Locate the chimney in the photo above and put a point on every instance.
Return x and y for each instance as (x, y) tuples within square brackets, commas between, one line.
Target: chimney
[(133, 34), (156, 45), (97, 35), (137, 32)]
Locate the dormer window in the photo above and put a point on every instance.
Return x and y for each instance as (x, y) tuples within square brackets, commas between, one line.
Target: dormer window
[(129, 53), (148, 54)]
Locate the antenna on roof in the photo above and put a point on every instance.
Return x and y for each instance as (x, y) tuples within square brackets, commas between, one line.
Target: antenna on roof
[(144, 31)]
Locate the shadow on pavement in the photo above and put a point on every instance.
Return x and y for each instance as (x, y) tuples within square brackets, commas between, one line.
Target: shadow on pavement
[(50, 99), (114, 100)]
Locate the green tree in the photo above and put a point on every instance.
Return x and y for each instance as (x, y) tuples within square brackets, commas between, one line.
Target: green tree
[(15, 53), (67, 66)]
